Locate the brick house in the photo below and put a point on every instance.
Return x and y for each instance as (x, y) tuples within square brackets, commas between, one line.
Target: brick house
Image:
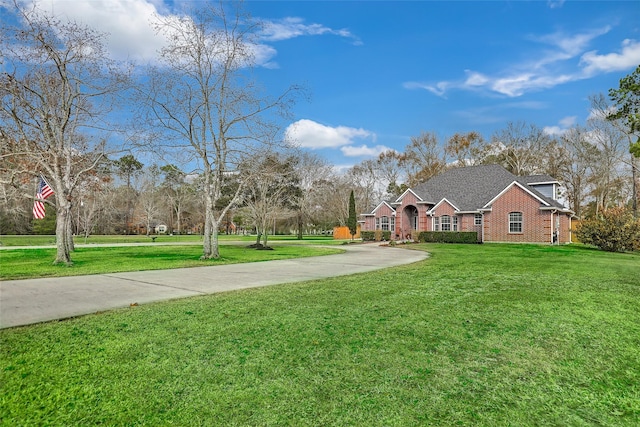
[(487, 199)]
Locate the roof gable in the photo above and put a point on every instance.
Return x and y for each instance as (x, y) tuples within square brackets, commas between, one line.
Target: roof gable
[(444, 200), (467, 188), (516, 183), (407, 191), (383, 203)]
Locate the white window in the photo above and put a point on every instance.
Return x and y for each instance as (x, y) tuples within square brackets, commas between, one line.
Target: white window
[(455, 224), (477, 219), (392, 223), (384, 223), (436, 224), (377, 223), (515, 222), (445, 222)]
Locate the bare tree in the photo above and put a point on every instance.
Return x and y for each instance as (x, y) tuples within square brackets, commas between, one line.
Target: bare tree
[(203, 96), (149, 198), (268, 193), (128, 167), (56, 90), (608, 162), (312, 172), (390, 171), (178, 193), (523, 147), (466, 149), (15, 210), (423, 158), (335, 200), (365, 178), (574, 172)]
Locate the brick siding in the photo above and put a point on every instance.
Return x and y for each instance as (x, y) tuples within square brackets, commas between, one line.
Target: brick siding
[(536, 224)]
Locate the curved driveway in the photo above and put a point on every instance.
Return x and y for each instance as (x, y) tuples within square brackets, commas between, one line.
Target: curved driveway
[(24, 302)]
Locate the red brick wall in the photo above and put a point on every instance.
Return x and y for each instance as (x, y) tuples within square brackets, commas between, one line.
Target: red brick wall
[(536, 224), (467, 223), (402, 227), (370, 221), (445, 209)]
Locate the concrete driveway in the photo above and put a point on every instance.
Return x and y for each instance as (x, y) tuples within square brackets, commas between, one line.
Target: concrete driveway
[(24, 302)]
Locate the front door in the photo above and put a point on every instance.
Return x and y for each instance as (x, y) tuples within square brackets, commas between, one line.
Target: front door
[(411, 221)]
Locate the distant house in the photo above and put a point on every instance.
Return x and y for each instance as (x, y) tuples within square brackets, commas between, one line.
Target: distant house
[(487, 199)]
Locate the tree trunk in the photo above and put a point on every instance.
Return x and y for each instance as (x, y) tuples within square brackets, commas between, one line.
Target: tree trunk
[(215, 249), (265, 236), (635, 176), (207, 249), (63, 254), (69, 231), (300, 225)]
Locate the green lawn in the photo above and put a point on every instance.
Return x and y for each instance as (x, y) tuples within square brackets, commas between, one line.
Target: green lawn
[(32, 240), (476, 335), (33, 263)]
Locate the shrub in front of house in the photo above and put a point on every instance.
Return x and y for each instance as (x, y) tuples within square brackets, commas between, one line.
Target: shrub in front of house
[(615, 230), (382, 236), (368, 236), (375, 236), (448, 237)]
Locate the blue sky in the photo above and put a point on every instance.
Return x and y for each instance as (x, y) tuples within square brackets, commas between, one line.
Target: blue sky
[(380, 72)]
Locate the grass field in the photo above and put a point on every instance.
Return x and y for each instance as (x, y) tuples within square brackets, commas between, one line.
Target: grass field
[(476, 335), (33, 240), (34, 263)]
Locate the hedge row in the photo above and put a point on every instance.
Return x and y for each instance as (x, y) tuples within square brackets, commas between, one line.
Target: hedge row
[(448, 237), (375, 236), (425, 236)]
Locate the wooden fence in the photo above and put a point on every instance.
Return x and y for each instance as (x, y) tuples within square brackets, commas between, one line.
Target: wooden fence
[(344, 233)]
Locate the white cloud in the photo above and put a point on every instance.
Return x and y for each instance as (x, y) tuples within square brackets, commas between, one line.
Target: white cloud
[(518, 84), (628, 57), (564, 125), (555, 4), (309, 134), (543, 71), (127, 22), (475, 79), (129, 25), (264, 54), (554, 130), (568, 46), (363, 151), (291, 27), (569, 121), (438, 89)]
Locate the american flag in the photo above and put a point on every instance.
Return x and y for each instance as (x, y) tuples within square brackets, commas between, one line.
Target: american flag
[(43, 192)]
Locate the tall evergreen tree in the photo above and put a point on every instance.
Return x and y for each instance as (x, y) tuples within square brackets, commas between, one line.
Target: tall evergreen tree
[(352, 221)]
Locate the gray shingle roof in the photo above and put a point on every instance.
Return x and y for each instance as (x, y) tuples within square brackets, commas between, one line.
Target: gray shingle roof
[(471, 188), (532, 179)]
